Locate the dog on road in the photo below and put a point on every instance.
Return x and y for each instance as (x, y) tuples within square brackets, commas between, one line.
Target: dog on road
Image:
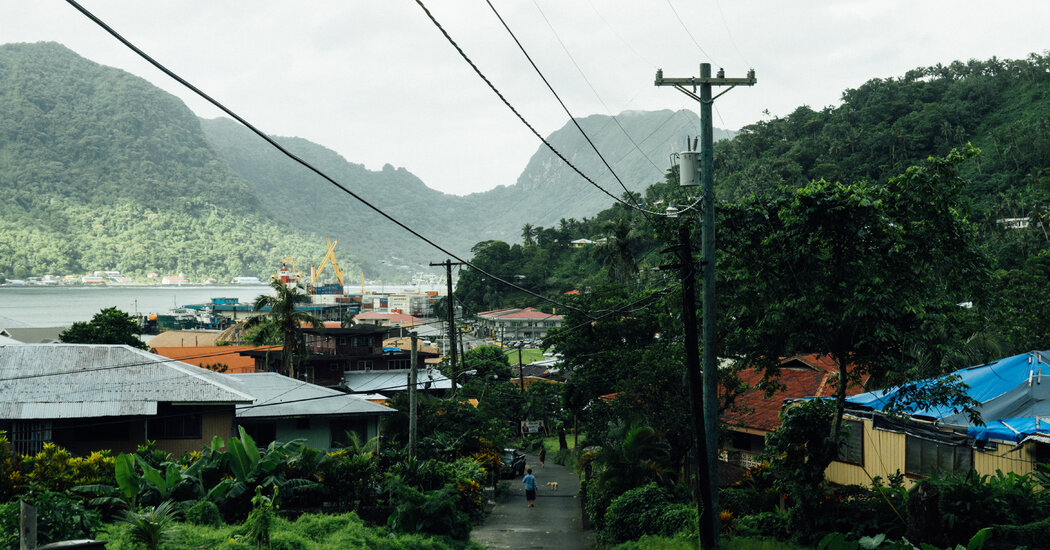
[(553, 485)]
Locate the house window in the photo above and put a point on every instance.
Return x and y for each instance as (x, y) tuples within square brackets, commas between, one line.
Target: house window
[(364, 365), (342, 340), (852, 449), (923, 457), (400, 364), (28, 437), (174, 422)]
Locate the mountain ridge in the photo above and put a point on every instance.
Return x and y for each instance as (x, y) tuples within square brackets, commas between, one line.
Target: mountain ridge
[(102, 170)]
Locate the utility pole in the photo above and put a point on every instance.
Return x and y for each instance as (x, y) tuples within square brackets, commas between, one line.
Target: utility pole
[(521, 371), (709, 528), (413, 378), (451, 318), (703, 488), (521, 381)]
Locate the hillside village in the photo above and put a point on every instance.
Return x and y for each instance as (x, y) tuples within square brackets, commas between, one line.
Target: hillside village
[(825, 330)]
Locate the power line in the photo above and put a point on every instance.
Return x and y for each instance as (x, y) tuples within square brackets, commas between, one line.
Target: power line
[(686, 27), (729, 33), (591, 86), (299, 160), (513, 109), (562, 103)]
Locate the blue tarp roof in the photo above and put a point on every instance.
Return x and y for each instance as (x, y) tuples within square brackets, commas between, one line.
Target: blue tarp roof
[(1010, 404)]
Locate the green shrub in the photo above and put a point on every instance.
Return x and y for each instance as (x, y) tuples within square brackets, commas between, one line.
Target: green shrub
[(203, 512), (765, 524), (154, 527), (9, 524), (432, 512), (646, 510), (747, 501), (59, 517), (949, 510)]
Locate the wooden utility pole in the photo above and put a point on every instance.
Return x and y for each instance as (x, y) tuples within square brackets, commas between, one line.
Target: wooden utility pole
[(709, 528), (451, 317), (412, 399)]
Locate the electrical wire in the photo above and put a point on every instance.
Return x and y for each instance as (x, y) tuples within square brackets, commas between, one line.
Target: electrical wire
[(589, 85), (729, 33), (299, 160), (691, 37), (506, 102), (557, 97)]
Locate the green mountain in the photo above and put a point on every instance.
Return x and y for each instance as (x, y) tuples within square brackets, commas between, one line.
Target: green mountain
[(101, 170), (549, 190), (881, 128), (304, 200)]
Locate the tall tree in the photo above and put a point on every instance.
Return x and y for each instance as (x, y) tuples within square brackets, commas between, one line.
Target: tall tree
[(528, 234), (109, 326), (854, 272), (281, 313)]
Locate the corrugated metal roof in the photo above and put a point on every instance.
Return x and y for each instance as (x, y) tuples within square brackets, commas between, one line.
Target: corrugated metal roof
[(85, 380), (395, 380), (277, 395)]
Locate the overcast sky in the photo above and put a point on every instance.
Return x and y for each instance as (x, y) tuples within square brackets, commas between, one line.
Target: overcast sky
[(378, 83)]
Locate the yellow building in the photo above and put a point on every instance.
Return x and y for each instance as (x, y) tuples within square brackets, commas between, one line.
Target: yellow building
[(1013, 402)]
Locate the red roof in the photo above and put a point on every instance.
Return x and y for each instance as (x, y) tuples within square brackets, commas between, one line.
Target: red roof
[(801, 375), (214, 355), (515, 313), (327, 324)]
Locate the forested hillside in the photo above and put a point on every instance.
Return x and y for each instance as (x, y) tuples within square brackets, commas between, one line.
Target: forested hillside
[(549, 190), (882, 128), (101, 170), (304, 200)]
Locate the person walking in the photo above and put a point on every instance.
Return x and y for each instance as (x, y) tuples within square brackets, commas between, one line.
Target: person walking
[(530, 488), (543, 455)]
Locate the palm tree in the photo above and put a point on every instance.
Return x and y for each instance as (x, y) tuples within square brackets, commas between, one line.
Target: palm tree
[(618, 252), (528, 234), (286, 321)]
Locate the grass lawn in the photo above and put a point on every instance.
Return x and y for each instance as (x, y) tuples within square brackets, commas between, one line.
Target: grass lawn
[(726, 543), (527, 356), (309, 532)]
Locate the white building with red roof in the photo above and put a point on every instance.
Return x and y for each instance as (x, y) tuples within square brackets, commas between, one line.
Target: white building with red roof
[(516, 323)]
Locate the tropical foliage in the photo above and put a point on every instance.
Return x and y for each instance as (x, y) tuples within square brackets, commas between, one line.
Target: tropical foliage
[(101, 170), (281, 322), (109, 326)]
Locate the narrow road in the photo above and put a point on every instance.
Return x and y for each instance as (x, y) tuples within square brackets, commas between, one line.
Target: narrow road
[(554, 523)]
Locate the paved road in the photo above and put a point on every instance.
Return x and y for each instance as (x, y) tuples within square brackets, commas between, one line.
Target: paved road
[(555, 522)]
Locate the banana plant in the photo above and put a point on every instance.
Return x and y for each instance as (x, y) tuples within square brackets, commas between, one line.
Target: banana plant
[(251, 468)]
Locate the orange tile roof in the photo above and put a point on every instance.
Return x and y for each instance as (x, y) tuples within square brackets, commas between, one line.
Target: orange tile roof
[(401, 317), (530, 380), (212, 355), (800, 375)]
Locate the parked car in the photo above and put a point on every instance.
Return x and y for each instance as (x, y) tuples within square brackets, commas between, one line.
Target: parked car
[(513, 463)]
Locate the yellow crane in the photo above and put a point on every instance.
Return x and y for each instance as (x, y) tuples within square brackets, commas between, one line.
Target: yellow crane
[(329, 257)]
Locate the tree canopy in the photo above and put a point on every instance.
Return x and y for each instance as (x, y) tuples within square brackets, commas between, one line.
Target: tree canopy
[(109, 326)]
